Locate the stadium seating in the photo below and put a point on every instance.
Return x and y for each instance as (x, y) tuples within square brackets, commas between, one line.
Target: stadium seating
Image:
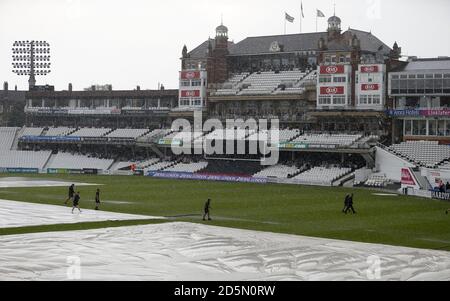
[(337, 139), (127, 133), (230, 134), (287, 135), (30, 131), (278, 171), (157, 133), (263, 83), (322, 175), (7, 136), (147, 163), (58, 131), (75, 161), (91, 132), (188, 167), (423, 153), (23, 159), (377, 181), (160, 166)]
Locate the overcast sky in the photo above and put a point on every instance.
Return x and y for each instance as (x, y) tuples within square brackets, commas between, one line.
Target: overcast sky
[(139, 42)]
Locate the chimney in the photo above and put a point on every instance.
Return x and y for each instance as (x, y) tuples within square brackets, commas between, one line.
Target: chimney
[(138, 88), (5, 86), (70, 87)]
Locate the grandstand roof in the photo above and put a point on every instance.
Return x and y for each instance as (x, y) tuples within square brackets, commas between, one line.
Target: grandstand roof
[(428, 64), (294, 43)]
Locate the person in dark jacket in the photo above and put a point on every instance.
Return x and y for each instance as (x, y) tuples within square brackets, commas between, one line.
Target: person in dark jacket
[(97, 199), (206, 209), (71, 193), (350, 205), (347, 197), (76, 202)]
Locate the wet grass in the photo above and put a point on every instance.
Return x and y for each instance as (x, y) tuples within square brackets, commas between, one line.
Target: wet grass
[(292, 209)]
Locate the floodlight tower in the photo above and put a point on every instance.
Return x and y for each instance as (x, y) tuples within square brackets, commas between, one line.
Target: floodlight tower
[(31, 58)]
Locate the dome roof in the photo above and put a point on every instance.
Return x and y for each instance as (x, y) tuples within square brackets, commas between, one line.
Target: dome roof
[(221, 28), (334, 19)]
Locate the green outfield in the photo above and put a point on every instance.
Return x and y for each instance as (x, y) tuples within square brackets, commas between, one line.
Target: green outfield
[(293, 209)]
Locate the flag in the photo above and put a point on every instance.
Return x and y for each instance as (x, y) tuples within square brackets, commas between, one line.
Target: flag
[(303, 15), (320, 14), (289, 18)]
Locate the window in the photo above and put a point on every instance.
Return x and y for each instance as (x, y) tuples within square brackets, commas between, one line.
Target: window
[(324, 100), (376, 99), (341, 59), (325, 79), (438, 83), (422, 127), (432, 127), (185, 83), (338, 100), (196, 102), (184, 101), (441, 128), (395, 86), (415, 124), (408, 127), (369, 99), (363, 99), (339, 79), (196, 83), (447, 132), (429, 83)]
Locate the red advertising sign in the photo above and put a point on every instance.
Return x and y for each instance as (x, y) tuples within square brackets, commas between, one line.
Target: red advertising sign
[(337, 69), (369, 69), (331, 90), (370, 87), (407, 178), (190, 93), (190, 74)]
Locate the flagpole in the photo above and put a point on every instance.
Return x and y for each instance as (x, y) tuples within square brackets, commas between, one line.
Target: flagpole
[(285, 24), (301, 11), (317, 17)]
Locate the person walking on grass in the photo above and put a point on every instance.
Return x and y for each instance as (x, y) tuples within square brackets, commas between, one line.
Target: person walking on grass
[(350, 205), (206, 209), (97, 199), (346, 203), (76, 202), (71, 193)]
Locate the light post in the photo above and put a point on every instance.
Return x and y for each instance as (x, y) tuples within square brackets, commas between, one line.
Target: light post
[(31, 58)]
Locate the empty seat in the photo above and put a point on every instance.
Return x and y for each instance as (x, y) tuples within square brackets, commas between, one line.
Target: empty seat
[(24, 159), (7, 136), (75, 161)]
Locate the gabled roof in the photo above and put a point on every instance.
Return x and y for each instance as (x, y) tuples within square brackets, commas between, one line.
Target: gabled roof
[(295, 43), (369, 42), (200, 51), (291, 43)]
